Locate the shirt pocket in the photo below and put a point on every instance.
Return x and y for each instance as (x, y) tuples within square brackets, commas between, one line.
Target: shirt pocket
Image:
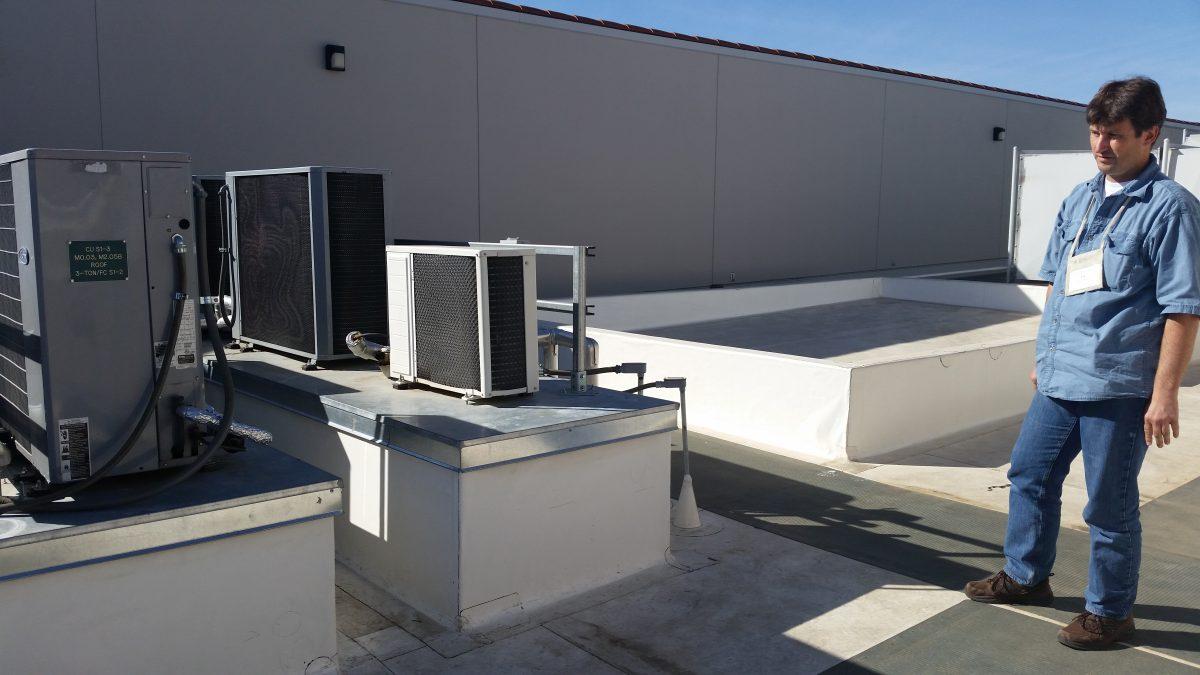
[(1124, 266), (1060, 250)]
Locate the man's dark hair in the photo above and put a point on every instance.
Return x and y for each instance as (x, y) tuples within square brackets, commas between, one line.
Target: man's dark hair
[(1137, 99)]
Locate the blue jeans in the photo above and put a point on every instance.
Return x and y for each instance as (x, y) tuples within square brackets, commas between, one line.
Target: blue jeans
[(1109, 433)]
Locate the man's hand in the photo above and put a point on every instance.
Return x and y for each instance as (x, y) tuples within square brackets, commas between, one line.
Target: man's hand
[(1033, 377), (1161, 422)]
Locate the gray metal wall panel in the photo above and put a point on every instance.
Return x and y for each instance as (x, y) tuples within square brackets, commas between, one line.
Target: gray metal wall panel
[(1173, 133), (48, 75), (943, 178), (241, 85), (586, 135), (798, 170), (1039, 127), (594, 140)]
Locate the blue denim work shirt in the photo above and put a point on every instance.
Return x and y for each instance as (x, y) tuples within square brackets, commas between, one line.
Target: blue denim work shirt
[(1105, 343)]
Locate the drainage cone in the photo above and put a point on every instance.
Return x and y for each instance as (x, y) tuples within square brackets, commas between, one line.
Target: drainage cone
[(686, 515)]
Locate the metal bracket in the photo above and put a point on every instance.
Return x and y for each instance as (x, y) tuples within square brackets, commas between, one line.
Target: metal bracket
[(632, 368), (578, 307)]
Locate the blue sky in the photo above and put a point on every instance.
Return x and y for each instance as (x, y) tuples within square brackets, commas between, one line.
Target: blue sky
[(1060, 49)]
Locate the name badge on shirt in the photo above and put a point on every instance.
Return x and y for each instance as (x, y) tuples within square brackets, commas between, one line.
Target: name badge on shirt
[(1085, 272)]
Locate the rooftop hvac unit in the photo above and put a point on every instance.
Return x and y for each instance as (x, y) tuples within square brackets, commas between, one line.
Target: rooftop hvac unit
[(309, 249), (463, 319), (87, 297)]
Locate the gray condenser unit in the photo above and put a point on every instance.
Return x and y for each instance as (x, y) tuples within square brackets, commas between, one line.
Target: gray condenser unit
[(463, 319), (310, 264), (88, 288)]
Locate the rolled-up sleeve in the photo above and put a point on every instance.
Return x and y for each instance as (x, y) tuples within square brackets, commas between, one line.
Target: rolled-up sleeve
[(1176, 259), (1054, 248)]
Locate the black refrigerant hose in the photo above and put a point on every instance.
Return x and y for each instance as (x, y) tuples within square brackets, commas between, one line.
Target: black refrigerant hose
[(226, 256), (160, 383)]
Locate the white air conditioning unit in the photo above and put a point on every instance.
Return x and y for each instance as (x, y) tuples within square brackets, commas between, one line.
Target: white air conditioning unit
[(463, 319)]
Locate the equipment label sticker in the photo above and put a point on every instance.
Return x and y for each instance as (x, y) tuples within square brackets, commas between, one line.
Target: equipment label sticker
[(74, 448), (98, 260), (185, 346)]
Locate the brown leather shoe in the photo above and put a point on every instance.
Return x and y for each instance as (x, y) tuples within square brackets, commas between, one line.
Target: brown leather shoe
[(1092, 631), (1001, 589)]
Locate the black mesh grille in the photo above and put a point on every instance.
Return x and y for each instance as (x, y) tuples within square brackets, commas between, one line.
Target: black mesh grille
[(274, 237), (14, 395), (10, 286), (8, 263), (18, 423), (357, 257), (14, 386), (13, 383), (12, 368), (506, 319), (446, 319), (212, 218)]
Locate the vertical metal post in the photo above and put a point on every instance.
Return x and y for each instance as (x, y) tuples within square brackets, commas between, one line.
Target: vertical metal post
[(1012, 214), (579, 323), (687, 463), (1165, 160)]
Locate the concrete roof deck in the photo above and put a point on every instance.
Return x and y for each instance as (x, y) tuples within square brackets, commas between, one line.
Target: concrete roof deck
[(799, 568)]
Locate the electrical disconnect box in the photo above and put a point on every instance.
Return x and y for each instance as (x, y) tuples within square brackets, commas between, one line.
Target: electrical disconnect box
[(87, 289)]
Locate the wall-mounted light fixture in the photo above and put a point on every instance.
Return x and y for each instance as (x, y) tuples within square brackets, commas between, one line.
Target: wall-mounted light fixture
[(997, 133), (335, 57)]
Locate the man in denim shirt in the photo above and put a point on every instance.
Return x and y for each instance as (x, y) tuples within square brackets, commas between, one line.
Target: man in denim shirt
[(1116, 336)]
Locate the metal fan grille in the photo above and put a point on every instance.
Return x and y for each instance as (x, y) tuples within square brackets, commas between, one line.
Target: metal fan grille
[(14, 344), (275, 268), (506, 319), (446, 319), (357, 257), (13, 383), (212, 233)]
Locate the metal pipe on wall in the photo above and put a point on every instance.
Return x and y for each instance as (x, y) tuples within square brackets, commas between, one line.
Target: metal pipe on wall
[(1012, 213)]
